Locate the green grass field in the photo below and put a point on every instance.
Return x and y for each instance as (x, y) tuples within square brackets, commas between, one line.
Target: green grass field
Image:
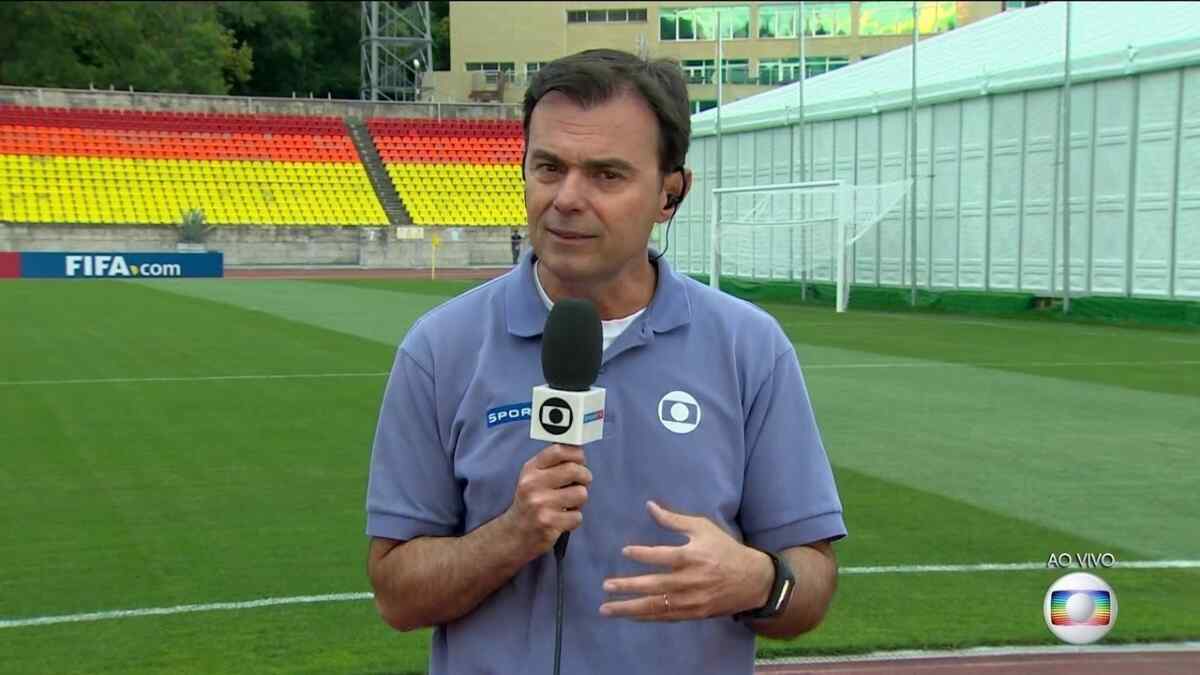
[(149, 461)]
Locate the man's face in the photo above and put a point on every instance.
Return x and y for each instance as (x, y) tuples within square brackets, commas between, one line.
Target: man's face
[(593, 189)]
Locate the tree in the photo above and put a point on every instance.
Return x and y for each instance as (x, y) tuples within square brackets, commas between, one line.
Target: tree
[(243, 48), (336, 34), (279, 35), (439, 18), (151, 46)]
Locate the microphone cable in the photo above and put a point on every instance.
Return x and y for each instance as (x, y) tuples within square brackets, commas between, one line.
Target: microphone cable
[(560, 549)]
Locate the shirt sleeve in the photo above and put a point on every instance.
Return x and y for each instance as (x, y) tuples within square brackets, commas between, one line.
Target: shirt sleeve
[(411, 490), (789, 497)]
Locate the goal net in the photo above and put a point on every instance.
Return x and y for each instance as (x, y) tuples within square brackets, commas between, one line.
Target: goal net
[(804, 231)]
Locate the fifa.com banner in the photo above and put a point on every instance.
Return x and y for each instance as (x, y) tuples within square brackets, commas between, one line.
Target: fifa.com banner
[(73, 265)]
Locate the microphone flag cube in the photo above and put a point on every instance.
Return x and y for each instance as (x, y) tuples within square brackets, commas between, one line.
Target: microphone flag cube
[(568, 417)]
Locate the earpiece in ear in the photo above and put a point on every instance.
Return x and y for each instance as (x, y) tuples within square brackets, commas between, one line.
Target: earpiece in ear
[(673, 201)]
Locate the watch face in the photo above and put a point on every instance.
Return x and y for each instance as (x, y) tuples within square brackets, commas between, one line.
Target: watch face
[(784, 592)]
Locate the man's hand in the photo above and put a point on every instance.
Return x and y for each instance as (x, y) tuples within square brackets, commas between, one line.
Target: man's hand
[(712, 575), (551, 489)]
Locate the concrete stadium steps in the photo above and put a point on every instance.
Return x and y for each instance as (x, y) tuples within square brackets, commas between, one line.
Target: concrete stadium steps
[(385, 190), (454, 172)]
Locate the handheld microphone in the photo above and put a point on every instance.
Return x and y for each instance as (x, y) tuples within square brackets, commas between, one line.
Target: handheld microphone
[(568, 409)]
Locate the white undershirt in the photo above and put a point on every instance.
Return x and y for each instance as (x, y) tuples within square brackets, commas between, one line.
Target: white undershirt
[(610, 329)]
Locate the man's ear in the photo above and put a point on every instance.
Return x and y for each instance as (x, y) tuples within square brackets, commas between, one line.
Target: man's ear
[(677, 185), (687, 182)]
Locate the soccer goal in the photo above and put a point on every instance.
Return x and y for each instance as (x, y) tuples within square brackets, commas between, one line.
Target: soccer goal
[(802, 231)]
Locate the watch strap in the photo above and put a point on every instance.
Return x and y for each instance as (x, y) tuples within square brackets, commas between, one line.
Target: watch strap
[(780, 594)]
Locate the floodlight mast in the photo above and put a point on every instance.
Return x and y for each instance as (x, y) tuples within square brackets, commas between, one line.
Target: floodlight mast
[(396, 50)]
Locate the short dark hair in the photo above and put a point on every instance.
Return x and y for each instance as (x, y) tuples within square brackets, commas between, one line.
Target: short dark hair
[(597, 75)]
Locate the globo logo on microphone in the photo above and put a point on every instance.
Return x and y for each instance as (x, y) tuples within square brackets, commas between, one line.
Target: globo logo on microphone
[(567, 417), (555, 415)]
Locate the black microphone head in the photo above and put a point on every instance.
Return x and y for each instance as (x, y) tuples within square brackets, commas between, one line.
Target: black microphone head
[(572, 344)]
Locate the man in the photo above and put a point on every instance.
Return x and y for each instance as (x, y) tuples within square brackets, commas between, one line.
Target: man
[(516, 245), (710, 490)]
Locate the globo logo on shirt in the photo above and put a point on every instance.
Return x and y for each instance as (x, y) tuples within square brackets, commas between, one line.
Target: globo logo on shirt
[(679, 412)]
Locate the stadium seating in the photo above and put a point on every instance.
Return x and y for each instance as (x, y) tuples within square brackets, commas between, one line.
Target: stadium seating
[(454, 172), (60, 165)]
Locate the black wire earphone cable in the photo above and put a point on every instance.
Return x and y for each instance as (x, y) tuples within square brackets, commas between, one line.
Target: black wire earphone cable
[(558, 612), (561, 550), (675, 201)]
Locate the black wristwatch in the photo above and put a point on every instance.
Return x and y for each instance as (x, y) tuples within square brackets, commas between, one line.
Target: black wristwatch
[(781, 591)]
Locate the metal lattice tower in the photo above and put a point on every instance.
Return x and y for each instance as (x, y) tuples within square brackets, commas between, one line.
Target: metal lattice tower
[(396, 50)]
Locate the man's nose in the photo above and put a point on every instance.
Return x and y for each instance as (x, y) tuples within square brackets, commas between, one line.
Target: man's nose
[(571, 192)]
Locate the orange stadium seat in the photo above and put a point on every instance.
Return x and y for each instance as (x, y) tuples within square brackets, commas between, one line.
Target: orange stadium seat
[(107, 166)]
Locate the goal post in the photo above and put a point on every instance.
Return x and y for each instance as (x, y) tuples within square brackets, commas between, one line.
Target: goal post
[(827, 217)]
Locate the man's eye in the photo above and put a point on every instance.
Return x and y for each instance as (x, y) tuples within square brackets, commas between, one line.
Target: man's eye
[(546, 167), (610, 175)]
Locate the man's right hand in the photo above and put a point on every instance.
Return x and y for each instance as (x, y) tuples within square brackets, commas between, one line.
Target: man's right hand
[(551, 489)]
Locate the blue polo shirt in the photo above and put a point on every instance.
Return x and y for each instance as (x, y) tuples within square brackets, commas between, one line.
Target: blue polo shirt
[(707, 413)]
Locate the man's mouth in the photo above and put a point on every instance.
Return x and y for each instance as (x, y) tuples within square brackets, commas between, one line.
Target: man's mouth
[(567, 234)]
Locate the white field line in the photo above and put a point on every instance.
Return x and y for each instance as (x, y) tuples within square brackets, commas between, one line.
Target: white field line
[(811, 366), (189, 378), (1013, 326), (995, 364), (1011, 567), (343, 597), (970, 652), (1181, 340), (181, 609)]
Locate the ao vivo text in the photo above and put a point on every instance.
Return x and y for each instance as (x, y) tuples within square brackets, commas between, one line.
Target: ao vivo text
[(1081, 560)]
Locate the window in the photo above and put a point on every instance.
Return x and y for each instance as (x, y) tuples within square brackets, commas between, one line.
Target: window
[(819, 65), (778, 71), (687, 29), (884, 18), (491, 70), (735, 22), (532, 67), (735, 71), (702, 105), (699, 72), (777, 21), (700, 23), (606, 16), (894, 18), (705, 22), (666, 24), (827, 19), (821, 19), (937, 17)]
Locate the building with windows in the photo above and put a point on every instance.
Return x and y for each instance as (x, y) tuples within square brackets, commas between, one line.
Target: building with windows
[(496, 46)]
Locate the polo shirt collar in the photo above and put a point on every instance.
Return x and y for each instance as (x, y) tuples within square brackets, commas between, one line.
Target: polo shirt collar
[(526, 314)]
